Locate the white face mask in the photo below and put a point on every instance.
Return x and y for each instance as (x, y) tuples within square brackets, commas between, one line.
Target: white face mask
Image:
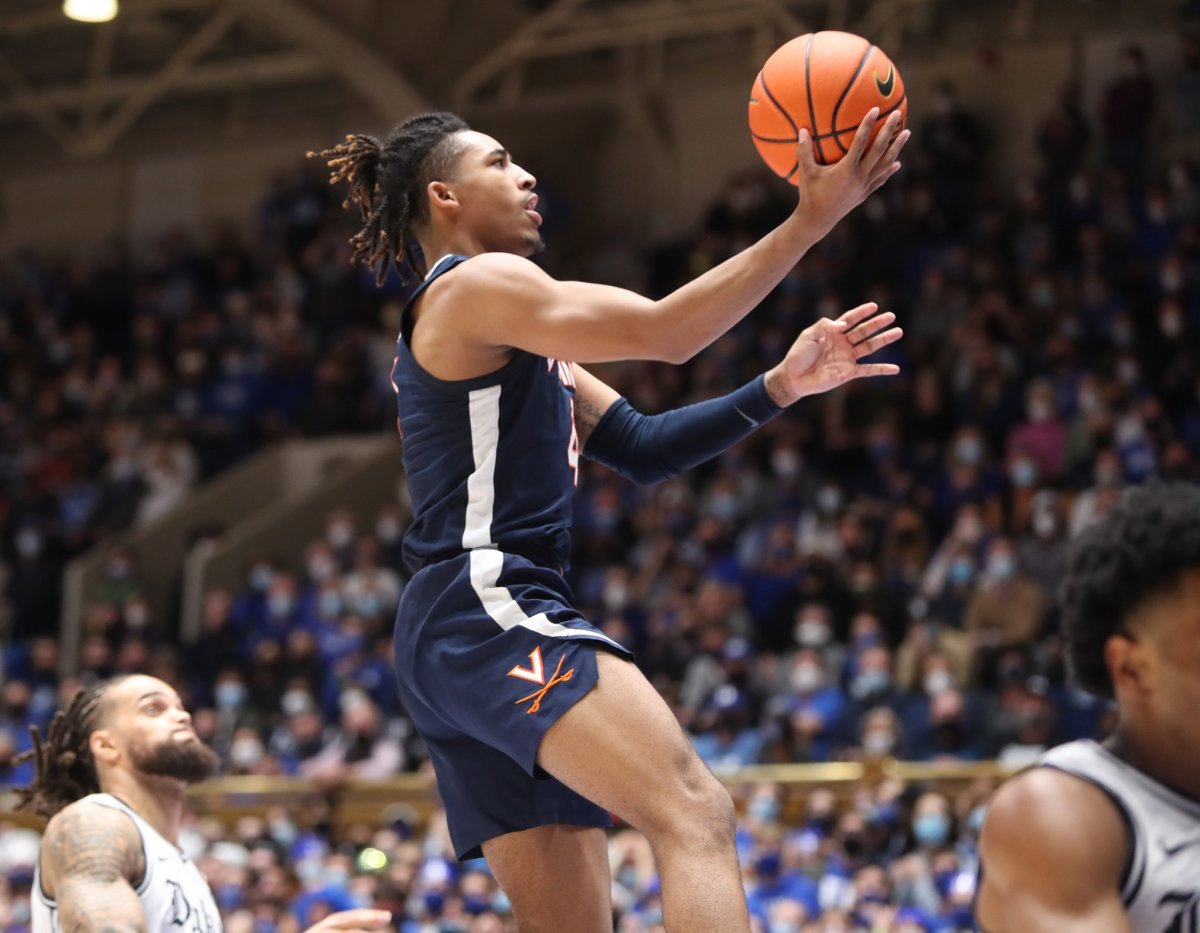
[(245, 753), (806, 677), (878, 742), (813, 634), (937, 681)]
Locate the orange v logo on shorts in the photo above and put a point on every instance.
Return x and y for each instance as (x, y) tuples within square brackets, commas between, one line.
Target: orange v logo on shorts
[(536, 673)]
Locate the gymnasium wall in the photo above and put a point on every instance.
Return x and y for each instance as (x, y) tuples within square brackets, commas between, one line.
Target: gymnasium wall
[(649, 171)]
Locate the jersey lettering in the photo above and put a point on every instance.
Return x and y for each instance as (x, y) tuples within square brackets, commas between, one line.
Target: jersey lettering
[(1188, 919)]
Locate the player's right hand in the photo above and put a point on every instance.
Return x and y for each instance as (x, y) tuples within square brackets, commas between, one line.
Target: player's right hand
[(363, 920), (829, 192)]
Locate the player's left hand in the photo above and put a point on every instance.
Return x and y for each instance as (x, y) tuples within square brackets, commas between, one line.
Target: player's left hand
[(360, 920), (829, 354)]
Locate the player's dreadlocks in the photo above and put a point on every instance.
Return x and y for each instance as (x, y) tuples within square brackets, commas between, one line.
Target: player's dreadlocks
[(388, 182), (65, 769)]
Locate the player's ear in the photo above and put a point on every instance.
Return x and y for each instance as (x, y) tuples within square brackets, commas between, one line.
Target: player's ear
[(1128, 664), (441, 197), (103, 747)]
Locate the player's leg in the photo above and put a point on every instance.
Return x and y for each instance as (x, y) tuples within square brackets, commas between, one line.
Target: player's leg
[(556, 877), (621, 747)]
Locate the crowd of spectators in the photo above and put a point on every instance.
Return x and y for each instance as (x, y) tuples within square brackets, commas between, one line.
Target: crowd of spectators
[(872, 574)]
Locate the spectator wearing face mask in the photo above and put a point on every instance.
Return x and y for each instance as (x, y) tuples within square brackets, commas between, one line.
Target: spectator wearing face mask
[(814, 704), (946, 729), (813, 630), (870, 685), (930, 643), (726, 740), (1108, 476), (363, 746), (371, 589), (769, 882), (1037, 447), (1008, 607), (233, 709), (1042, 550), (879, 734)]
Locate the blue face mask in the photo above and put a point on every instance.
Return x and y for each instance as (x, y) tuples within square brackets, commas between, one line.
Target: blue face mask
[(764, 809), (932, 829), (434, 902), (1002, 567), (475, 904), (768, 865), (329, 605), (260, 578), (368, 605), (229, 896), (961, 571), (230, 694), (869, 683), (627, 878)]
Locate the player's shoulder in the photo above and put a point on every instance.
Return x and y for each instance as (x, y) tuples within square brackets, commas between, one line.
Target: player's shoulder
[(492, 271), (88, 836), (1044, 819)]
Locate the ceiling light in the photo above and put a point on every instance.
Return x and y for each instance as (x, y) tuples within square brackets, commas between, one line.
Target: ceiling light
[(90, 11)]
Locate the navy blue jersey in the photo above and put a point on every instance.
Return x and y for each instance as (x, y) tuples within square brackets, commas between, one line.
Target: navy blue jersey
[(492, 462)]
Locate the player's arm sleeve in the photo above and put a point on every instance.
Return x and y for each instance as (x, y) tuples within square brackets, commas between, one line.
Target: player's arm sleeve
[(1052, 851), (94, 855), (652, 448)]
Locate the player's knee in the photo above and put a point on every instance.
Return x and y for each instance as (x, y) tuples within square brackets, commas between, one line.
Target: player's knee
[(698, 811)]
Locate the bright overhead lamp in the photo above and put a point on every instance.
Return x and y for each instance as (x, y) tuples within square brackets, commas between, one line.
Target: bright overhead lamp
[(90, 11)]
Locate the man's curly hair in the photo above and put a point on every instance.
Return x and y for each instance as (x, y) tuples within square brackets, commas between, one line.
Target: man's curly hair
[(1135, 552)]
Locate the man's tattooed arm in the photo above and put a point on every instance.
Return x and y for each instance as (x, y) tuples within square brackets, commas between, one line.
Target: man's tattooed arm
[(92, 857), (587, 416)]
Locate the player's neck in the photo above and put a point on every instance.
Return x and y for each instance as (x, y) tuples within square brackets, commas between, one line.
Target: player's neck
[(1161, 757), (456, 243), (157, 800)]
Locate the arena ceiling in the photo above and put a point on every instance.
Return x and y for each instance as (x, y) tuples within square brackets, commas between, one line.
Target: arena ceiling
[(234, 67)]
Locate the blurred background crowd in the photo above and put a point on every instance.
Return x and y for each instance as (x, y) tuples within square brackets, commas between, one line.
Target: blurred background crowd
[(872, 575)]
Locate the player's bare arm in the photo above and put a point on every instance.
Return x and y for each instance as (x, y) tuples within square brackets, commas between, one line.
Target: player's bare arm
[(514, 303), (91, 858), (1053, 849), (826, 355)]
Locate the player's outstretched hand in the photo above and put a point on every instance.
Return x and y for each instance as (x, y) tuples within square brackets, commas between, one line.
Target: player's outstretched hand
[(363, 920), (829, 192), (829, 354)]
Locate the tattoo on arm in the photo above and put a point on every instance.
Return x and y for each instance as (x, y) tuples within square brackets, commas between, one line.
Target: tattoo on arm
[(587, 416), (779, 392), (94, 857)]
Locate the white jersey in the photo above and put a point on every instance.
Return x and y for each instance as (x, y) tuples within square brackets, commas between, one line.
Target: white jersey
[(1161, 883), (174, 895)]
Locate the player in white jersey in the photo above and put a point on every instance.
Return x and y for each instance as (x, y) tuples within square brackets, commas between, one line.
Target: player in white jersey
[(111, 776), (1105, 838)]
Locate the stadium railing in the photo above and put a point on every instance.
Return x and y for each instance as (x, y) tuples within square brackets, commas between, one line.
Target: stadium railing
[(412, 798)]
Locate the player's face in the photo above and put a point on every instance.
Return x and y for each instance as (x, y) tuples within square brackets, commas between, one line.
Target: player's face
[(495, 198), (147, 724), (1170, 634)]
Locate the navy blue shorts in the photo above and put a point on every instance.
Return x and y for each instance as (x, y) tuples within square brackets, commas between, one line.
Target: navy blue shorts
[(489, 654)]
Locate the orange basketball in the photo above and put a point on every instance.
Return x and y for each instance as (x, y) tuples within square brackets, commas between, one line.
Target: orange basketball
[(825, 82)]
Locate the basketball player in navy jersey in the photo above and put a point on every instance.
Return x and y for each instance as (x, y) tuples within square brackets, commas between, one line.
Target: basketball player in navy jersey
[(1105, 838), (537, 722)]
